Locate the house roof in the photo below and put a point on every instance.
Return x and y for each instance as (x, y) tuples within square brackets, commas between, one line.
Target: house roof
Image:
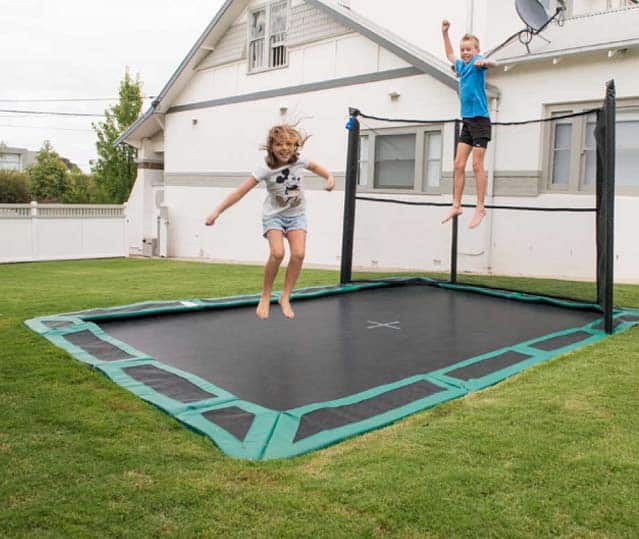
[(151, 121), (616, 29)]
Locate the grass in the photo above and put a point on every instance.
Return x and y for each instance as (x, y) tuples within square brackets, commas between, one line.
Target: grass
[(551, 452)]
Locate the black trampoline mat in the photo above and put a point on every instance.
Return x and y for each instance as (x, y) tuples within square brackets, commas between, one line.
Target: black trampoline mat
[(341, 344)]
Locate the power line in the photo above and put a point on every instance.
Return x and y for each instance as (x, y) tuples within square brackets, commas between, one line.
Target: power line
[(51, 113), (45, 127), (65, 99)]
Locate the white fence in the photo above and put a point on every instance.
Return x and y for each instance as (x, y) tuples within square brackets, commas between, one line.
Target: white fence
[(30, 232)]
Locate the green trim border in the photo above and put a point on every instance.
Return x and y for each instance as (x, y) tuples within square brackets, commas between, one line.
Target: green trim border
[(272, 433)]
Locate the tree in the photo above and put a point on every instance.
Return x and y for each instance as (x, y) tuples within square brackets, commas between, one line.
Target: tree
[(14, 187), (115, 169), (81, 188), (49, 175)]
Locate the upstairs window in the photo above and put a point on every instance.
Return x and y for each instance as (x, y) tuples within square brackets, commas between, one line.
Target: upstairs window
[(268, 28)]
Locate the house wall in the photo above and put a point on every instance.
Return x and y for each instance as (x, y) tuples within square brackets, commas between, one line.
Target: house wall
[(491, 20), (211, 149), (143, 205)]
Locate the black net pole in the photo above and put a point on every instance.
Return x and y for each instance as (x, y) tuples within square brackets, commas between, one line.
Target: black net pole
[(350, 191), (455, 221), (608, 202), (605, 137), (600, 224)]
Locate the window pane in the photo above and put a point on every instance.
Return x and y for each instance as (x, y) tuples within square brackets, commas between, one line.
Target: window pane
[(362, 177), (627, 134), (256, 54), (434, 146), (278, 18), (277, 33), (433, 151), (434, 173), (561, 167), (561, 154), (590, 155), (395, 161), (627, 169), (258, 23), (563, 132), (627, 154)]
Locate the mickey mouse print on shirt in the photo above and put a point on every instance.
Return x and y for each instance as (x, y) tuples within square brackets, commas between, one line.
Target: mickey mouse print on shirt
[(284, 185), (291, 189)]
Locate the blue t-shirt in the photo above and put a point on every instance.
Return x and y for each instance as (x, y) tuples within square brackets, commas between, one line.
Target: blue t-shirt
[(472, 88)]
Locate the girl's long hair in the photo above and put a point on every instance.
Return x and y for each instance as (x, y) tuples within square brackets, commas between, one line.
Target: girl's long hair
[(279, 132)]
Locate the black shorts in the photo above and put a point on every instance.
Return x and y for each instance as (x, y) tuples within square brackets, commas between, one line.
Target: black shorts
[(476, 131)]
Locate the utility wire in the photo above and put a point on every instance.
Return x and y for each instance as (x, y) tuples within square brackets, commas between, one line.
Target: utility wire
[(65, 99), (51, 113), (46, 127)]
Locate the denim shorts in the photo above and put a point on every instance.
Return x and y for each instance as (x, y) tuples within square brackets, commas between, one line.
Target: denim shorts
[(283, 223)]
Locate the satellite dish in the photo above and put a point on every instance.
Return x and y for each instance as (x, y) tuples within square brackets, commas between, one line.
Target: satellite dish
[(536, 19), (532, 13)]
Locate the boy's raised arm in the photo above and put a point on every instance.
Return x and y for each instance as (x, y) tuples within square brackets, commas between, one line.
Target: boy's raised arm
[(485, 63), (448, 46)]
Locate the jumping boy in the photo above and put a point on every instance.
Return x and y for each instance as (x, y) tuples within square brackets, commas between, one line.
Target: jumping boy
[(476, 130)]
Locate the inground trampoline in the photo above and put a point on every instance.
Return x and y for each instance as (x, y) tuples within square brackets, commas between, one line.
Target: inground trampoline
[(357, 356)]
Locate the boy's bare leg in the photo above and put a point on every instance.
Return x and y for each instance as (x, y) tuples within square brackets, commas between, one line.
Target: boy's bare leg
[(480, 178), (297, 244), (463, 151), (276, 245)]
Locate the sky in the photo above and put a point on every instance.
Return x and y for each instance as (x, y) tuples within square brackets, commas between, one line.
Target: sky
[(64, 51)]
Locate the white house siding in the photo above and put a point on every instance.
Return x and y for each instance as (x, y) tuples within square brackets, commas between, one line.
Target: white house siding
[(207, 157), (202, 154), (526, 91)]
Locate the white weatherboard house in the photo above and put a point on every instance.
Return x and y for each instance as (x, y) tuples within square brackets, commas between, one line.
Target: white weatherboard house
[(259, 63)]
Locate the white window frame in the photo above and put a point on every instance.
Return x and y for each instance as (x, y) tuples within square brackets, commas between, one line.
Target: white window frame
[(576, 183), (267, 38), (420, 180)]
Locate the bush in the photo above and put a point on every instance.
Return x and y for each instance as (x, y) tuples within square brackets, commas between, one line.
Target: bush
[(14, 187)]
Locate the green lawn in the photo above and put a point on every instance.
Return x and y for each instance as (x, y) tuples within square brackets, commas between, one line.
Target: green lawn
[(551, 452)]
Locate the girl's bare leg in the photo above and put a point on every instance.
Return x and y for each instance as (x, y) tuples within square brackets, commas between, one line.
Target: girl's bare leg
[(297, 244), (463, 151), (276, 245)]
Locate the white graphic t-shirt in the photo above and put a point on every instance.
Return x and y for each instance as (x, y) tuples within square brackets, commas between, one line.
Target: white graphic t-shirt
[(284, 185)]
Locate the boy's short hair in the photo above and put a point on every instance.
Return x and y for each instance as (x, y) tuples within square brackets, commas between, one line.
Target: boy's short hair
[(471, 37)]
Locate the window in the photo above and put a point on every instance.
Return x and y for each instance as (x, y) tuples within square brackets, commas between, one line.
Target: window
[(401, 160), (627, 155), (9, 161), (394, 162), (562, 138), (267, 37), (362, 170), (572, 154)]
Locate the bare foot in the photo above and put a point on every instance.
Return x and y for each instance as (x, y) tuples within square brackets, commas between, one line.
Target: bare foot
[(287, 311), (263, 307), (480, 213), (455, 210)]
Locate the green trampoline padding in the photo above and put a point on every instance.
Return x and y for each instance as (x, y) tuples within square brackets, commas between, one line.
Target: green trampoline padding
[(356, 357)]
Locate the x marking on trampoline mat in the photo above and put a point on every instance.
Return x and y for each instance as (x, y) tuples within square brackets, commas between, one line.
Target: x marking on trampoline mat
[(391, 325)]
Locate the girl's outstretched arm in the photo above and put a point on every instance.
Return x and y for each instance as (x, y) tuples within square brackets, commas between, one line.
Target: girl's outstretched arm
[(324, 173), (231, 199)]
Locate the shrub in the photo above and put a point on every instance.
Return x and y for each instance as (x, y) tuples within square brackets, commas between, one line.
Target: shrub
[(14, 187)]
